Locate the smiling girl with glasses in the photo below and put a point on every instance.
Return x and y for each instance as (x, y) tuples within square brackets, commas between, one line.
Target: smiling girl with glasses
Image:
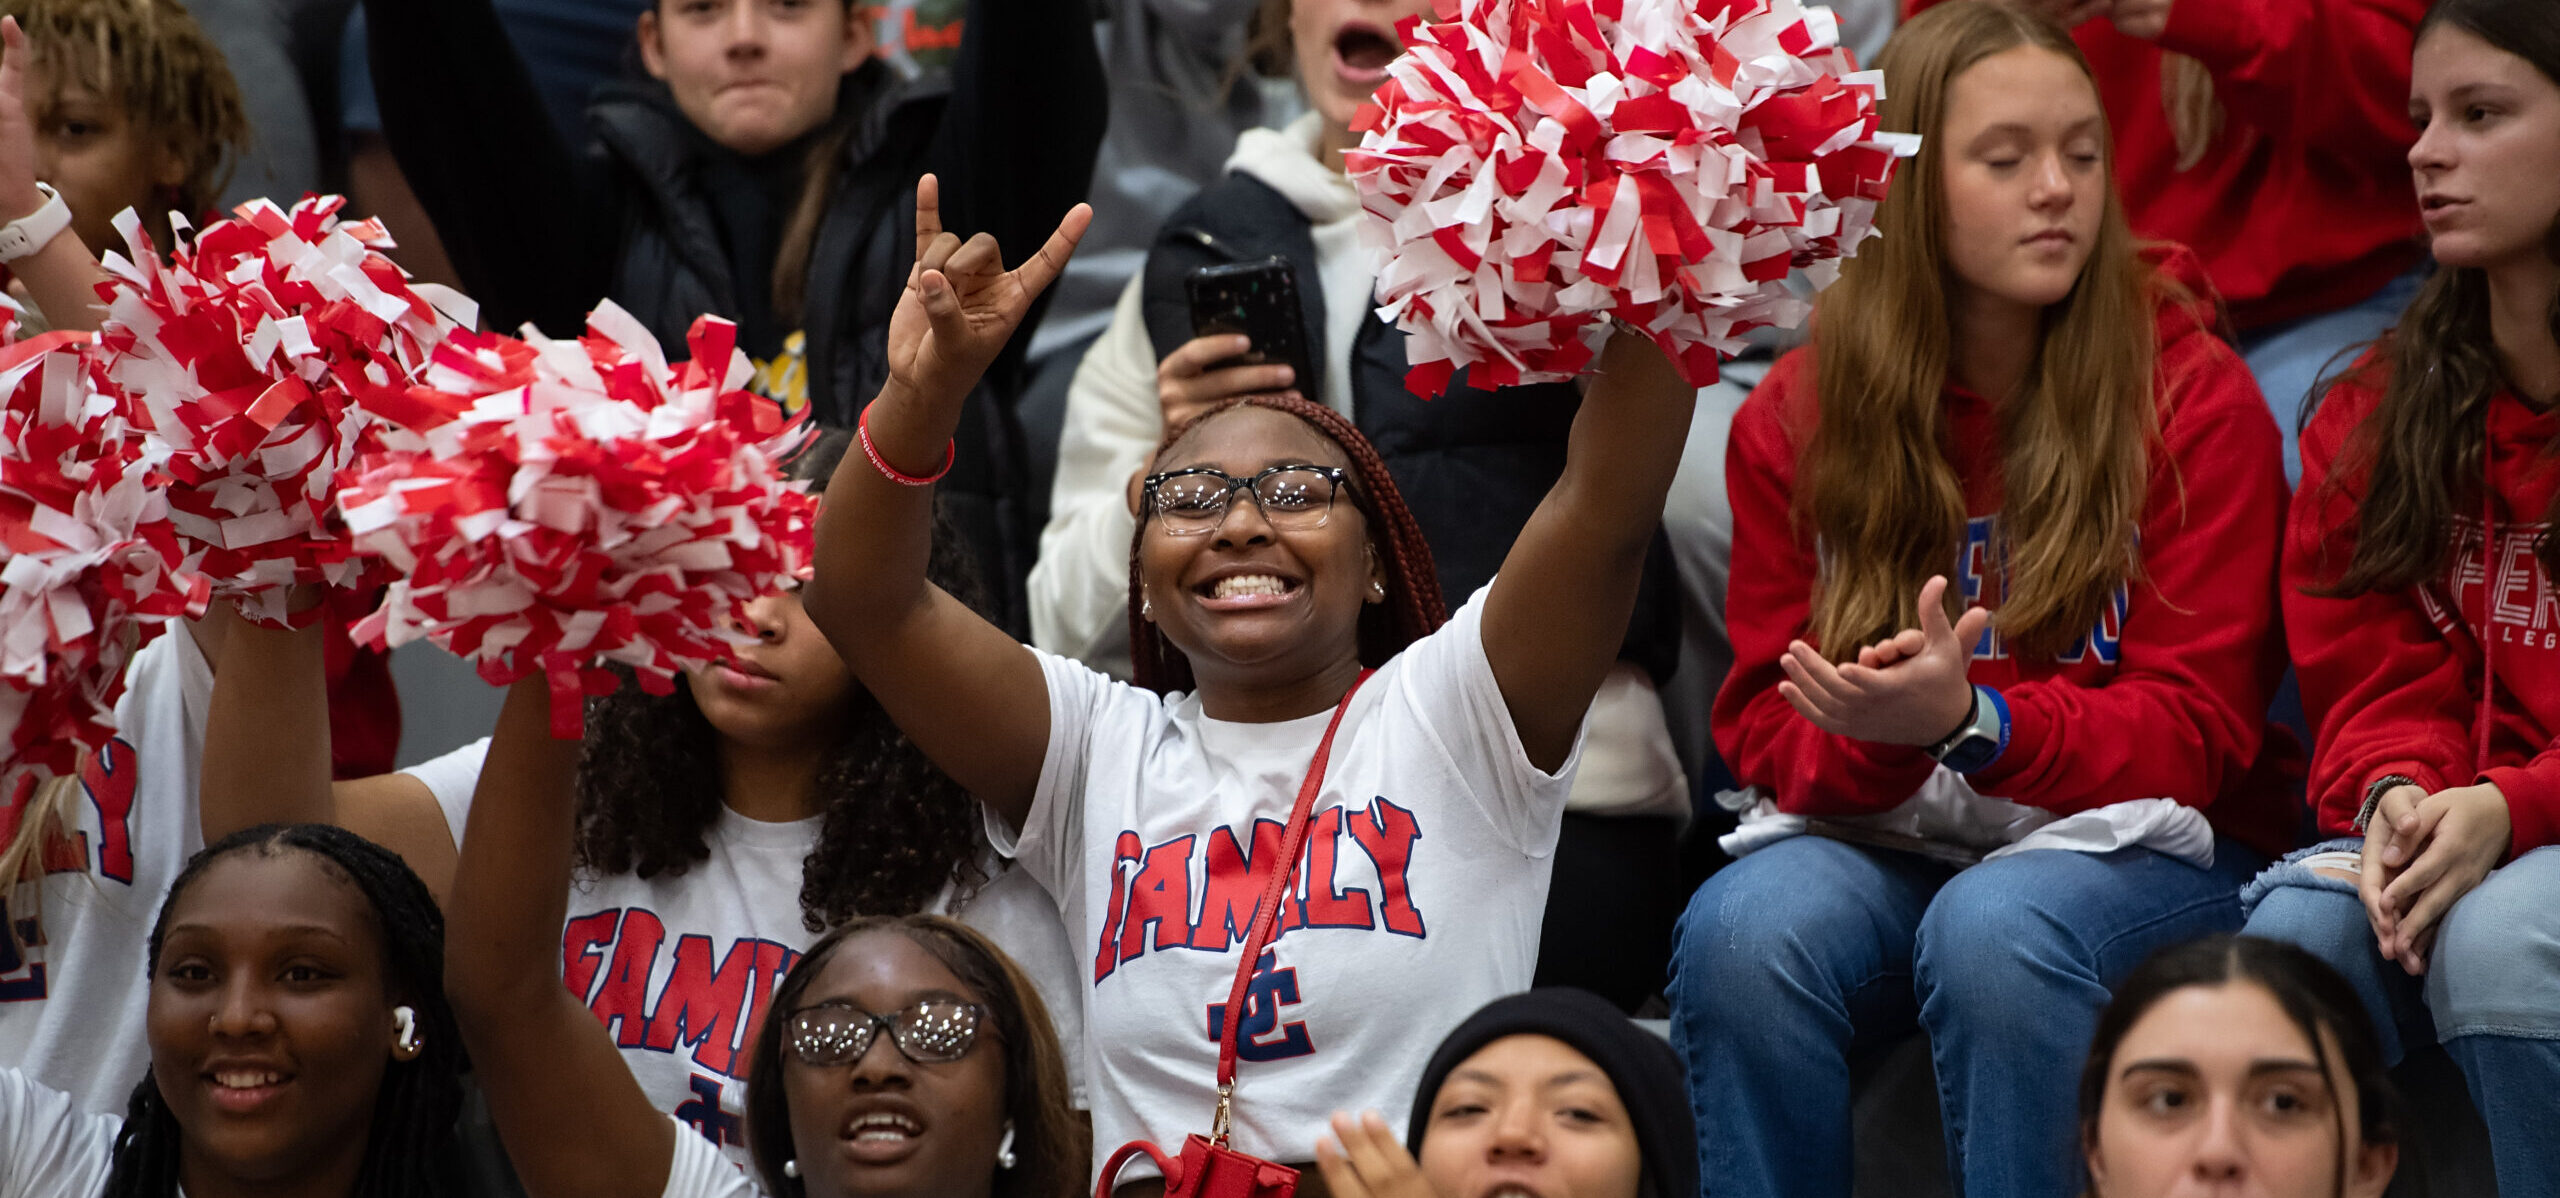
[(1153, 812)]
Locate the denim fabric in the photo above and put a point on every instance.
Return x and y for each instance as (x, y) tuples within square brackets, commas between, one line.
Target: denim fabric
[(2290, 358), (2491, 993), (1804, 953)]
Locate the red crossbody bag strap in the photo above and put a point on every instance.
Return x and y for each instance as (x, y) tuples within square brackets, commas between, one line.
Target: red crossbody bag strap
[(1266, 911)]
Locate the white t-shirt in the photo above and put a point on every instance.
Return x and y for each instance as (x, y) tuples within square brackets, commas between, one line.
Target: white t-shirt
[(1418, 900), (48, 1145), (698, 1170), (680, 968), (72, 1003)]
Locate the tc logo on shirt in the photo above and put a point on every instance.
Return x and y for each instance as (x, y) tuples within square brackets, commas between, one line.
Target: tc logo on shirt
[(1261, 1036), (1153, 905)]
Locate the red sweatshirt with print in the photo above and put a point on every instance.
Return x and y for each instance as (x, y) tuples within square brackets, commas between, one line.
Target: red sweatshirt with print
[(2392, 680), (2302, 204), (2167, 696)]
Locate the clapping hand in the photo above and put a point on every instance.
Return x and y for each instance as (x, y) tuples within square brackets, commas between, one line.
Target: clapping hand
[(1907, 689), (961, 305)]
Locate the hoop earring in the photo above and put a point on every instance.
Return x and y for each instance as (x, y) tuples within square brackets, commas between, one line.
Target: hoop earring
[(1004, 1151)]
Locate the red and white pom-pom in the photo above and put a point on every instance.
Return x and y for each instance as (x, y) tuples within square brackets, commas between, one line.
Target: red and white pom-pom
[(582, 502), (248, 357), (89, 564), (1539, 168)]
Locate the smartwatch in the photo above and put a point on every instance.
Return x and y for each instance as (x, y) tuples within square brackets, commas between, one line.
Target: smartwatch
[(1980, 740), (37, 229)]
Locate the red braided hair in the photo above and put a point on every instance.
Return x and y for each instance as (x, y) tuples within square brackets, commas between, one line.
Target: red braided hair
[(1413, 608)]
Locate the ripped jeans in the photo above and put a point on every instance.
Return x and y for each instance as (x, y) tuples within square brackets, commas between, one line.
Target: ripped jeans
[(2491, 993)]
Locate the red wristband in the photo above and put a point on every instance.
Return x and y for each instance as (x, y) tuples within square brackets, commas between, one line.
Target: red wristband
[(862, 433)]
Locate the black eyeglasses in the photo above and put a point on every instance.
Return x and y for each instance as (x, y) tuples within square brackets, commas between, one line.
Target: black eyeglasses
[(1195, 500), (836, 1032)]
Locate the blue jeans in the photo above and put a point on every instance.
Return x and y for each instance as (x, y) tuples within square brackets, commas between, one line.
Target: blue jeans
[(2491, 993), (1807, 952), (2289, 359)]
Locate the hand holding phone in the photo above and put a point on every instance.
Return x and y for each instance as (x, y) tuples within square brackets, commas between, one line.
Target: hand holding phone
[(1249, 339)]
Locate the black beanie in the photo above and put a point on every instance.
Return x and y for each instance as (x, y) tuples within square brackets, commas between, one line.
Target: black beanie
[(1647, 1075)]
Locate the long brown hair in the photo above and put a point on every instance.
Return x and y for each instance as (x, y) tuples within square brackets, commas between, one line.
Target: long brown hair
[(1885, 504), (1413, 608), (2421, 449)]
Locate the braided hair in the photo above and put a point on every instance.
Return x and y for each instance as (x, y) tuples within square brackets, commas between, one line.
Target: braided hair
[(410, 1150), (1413, 608), (896, 830)]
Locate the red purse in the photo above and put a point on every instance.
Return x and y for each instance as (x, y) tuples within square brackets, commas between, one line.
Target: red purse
[(1207, 1168)]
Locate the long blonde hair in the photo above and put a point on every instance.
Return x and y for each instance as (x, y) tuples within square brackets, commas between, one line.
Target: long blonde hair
[(1887, 508), (42, 823)]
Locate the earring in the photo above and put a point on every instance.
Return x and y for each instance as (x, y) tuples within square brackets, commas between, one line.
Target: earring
[(1146, 607), (1004, 1151), (791, 1168), (406, 1045), (1378, 589)]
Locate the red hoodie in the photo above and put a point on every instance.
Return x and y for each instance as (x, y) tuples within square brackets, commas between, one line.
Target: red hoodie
[(2302, 204), (2167, 699), (2391, 680)]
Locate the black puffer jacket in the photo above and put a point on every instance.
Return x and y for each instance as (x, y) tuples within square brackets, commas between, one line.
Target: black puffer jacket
[(539, 234), (1472, 464)]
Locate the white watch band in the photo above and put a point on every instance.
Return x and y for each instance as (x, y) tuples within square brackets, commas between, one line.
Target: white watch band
[(36, 230)]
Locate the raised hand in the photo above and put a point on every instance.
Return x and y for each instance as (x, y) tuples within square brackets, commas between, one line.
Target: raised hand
[(961, 305), (2434, 851), (1908, 689), (18, 194), (1368, 1161), (59, 276)]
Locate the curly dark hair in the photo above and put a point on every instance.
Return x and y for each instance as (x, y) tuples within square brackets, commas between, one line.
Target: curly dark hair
[(410, 1151), (897, 829)]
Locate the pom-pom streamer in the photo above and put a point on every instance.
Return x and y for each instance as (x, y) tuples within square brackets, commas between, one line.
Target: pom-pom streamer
[(555, 505), (1538, 169), (89, 560), (251, 358)]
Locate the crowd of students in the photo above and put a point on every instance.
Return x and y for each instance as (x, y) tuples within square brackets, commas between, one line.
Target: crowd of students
[(2139, 578)]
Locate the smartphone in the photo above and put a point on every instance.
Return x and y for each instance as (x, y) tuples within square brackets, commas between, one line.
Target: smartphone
[(1260, 300)]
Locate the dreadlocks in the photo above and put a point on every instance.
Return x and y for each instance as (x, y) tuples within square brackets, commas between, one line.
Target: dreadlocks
[(897, 830), (1413, 608), (410, 1152)]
